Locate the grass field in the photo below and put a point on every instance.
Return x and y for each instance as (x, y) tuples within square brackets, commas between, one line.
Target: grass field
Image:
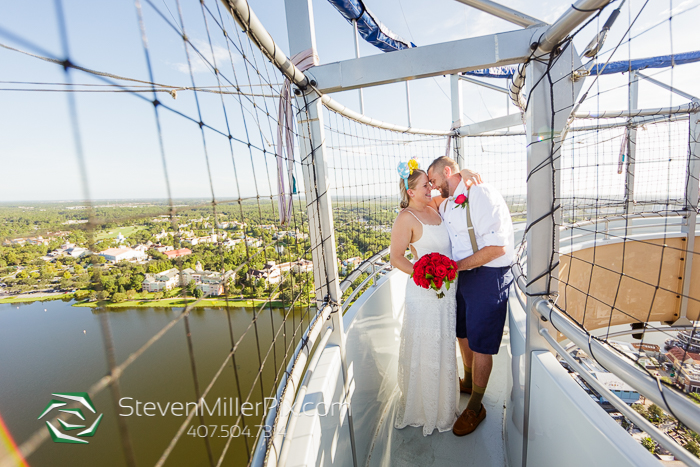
[(34, 299), (125, 231), (145, 300), (177, 302)]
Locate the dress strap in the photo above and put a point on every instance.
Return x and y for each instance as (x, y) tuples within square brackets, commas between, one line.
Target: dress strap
[(434, 210), (421, 222)]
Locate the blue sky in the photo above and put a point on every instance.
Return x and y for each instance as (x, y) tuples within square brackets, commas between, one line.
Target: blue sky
[(119, 135)]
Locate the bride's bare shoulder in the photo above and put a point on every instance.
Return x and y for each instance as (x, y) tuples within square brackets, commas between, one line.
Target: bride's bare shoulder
[(404, 219)]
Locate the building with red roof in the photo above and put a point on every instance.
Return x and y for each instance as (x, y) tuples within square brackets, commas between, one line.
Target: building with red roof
[(177, 253)]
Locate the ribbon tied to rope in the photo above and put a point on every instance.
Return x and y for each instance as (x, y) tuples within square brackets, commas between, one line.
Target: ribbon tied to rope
[(285, 134)]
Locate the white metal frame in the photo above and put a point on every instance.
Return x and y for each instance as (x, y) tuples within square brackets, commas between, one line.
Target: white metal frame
[(503, 12), (447, 58), (633, 103), (302, 36), (456, 101), (543, 186)]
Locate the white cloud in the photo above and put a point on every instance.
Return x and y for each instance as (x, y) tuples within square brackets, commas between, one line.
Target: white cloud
[(202, 60)]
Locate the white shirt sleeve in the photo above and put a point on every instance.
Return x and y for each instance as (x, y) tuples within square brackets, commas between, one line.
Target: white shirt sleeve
[(491, 217)]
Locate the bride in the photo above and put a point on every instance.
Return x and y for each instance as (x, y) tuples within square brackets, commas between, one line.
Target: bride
[(427, 375)]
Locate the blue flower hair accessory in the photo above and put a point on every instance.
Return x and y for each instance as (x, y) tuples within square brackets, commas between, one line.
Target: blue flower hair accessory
[(406, 169), (404, 172)]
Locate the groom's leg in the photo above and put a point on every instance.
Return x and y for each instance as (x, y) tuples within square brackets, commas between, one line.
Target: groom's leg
[(482, 369), (486, 299), (465, 384), (467, 356)]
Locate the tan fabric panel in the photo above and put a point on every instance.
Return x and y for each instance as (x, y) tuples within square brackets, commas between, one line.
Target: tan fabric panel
[(595, 293)]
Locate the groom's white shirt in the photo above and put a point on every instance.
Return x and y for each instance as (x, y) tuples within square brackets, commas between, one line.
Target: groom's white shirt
[(491, 220)]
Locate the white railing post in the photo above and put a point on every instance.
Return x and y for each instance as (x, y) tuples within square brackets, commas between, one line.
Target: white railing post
[(357, 55), (408, 104), (545, 121), (302, 36), (691, 212), (456, 99), (633, 98)]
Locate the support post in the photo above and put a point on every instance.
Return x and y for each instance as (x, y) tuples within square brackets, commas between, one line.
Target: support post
[(665, 86), (691, 212), (503, 12), (408, 104), (456, 99), (357, 55), (493, 87), (632, 105), (300, 25), (302, 36), (551, 100)]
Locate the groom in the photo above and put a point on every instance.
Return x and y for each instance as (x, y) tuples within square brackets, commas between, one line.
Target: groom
[(484, 255)]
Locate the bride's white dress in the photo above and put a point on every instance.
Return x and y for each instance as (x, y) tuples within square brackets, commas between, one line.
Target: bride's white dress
[(427, 355)]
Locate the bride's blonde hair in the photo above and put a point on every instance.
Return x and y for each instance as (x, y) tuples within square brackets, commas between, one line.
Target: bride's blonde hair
[(412, 181)]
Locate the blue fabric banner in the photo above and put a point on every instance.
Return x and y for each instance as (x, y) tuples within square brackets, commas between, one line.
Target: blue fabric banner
[(369, 27), (621, 66)]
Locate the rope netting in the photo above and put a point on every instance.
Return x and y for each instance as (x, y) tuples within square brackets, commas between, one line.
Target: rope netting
[(595, 162), (624, 198), (502, 162), (364, 186)]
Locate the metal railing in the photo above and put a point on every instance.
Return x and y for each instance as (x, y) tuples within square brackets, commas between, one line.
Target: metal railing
[(672, 401), (662, 438), (290, 395), (301, 394), (362, 268), (666, 397), (278, 416)]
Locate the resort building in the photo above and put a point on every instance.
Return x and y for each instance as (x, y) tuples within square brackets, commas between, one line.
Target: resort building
[(272, 273), (618, 387), (254, 242), (212, 283), (686, 366), (162, 281), (172, 254), (209, 282), (121, 254)]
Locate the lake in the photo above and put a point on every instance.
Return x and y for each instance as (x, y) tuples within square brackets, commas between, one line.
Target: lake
[(50, 347)]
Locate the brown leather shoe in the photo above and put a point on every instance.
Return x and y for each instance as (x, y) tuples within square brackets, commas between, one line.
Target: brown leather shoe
[(464, 389), (468, 421)]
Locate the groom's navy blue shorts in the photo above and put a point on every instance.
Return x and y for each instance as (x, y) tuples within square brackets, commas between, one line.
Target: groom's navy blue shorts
[(482, 304)]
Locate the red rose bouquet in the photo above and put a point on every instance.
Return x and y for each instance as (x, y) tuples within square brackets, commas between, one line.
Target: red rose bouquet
[(433, 271)]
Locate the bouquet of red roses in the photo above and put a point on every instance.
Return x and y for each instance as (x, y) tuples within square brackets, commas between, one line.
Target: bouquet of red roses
[(433, 271)]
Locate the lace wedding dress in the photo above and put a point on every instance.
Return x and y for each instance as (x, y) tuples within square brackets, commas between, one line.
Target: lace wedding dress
[(427, 374)]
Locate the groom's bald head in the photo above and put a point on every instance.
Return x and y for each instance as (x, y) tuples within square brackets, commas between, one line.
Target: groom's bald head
[(439, 164)]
